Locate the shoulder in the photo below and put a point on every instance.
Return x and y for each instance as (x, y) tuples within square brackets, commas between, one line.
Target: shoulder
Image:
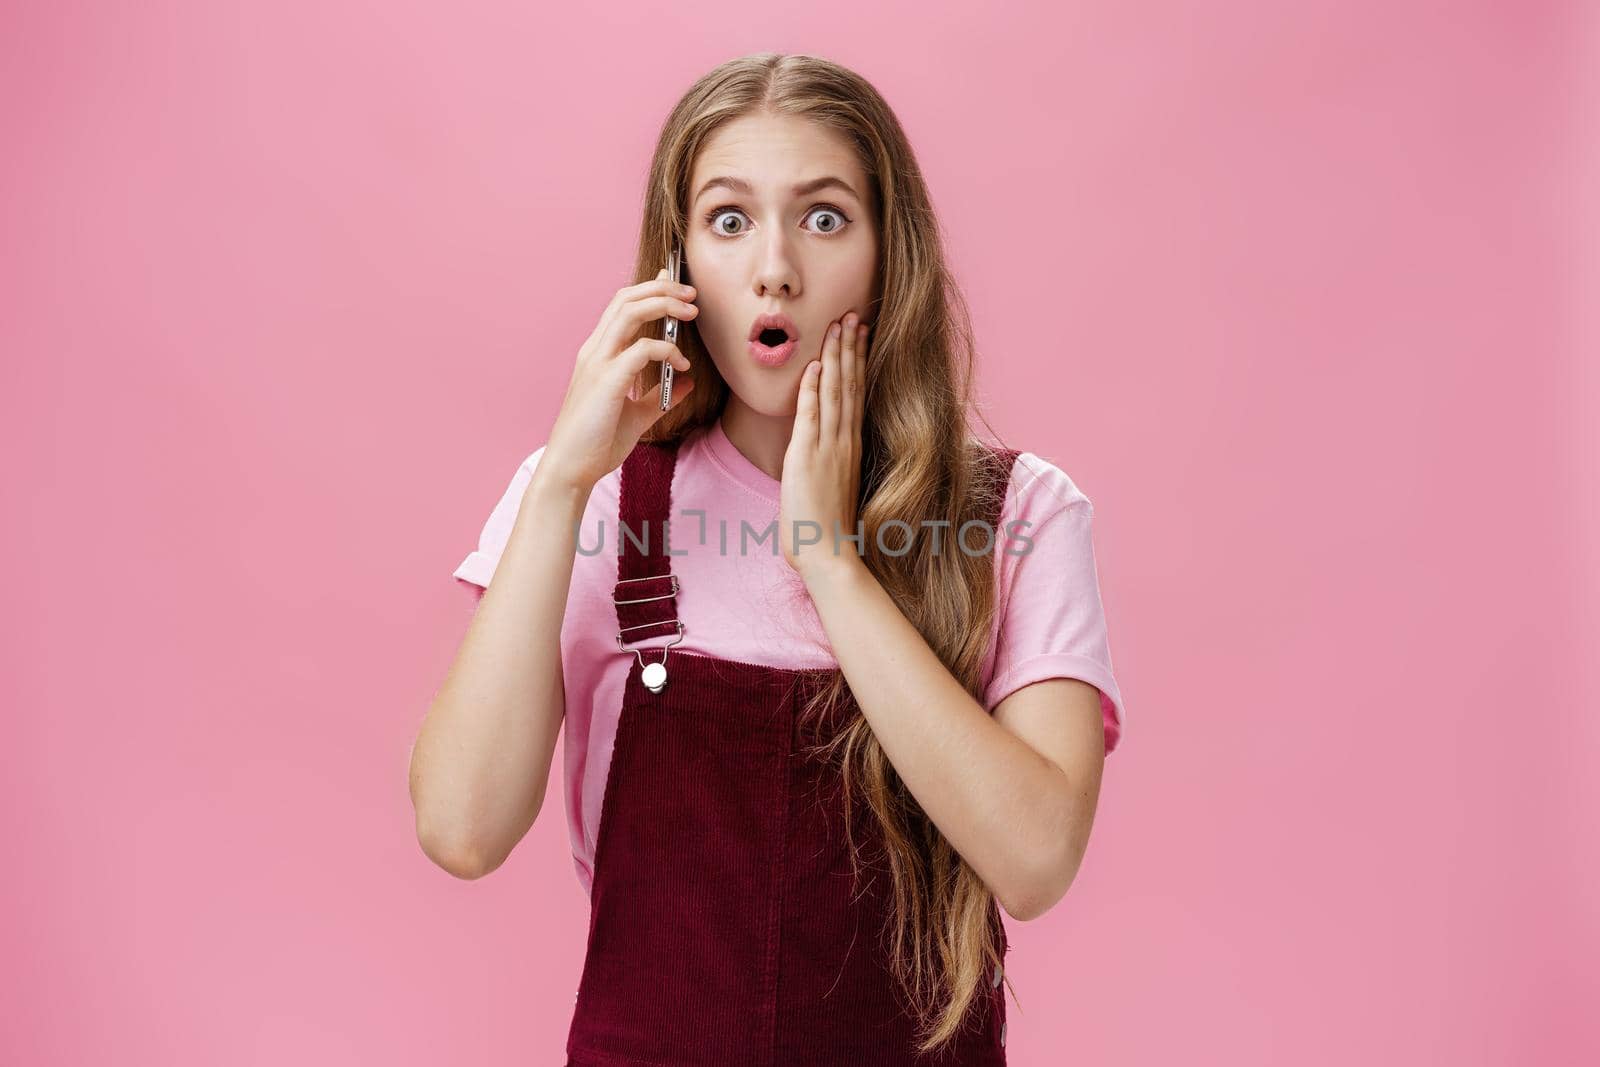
[(1039, 488)]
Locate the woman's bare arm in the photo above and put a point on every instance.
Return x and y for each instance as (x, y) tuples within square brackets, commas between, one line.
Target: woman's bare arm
[(481, 760), (482, 757)]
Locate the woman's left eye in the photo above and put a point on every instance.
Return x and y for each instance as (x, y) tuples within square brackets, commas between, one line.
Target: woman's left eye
[(826, 230), (837, 226)]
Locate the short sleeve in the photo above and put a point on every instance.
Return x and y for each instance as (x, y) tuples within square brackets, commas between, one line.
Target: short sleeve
[(479, 566), (1052, 622)]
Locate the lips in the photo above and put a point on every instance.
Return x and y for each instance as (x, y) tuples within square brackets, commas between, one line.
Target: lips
[(772, 356), (774, 321)]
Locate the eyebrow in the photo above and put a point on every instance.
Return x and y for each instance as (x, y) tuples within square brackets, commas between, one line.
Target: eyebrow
[(739, 185)]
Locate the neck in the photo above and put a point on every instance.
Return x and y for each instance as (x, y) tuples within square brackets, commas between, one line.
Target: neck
[(763, 439)]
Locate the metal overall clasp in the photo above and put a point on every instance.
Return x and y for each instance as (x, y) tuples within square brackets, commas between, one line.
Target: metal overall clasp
[(654, 675)]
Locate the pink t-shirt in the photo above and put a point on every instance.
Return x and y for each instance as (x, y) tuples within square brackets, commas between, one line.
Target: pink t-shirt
[(739, 600)]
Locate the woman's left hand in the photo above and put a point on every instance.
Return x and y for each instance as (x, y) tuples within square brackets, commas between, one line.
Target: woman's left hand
[(822, 468)]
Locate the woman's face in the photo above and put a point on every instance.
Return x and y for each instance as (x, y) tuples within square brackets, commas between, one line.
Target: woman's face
[(763, 247)]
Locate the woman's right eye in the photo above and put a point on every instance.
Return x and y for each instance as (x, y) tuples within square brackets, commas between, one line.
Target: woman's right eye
[(712, 218)]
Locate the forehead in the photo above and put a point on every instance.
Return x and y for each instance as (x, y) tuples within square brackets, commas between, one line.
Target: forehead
[(774, 152)]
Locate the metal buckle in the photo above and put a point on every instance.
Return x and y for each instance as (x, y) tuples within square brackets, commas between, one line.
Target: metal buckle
[(645, 626), (644, 600)]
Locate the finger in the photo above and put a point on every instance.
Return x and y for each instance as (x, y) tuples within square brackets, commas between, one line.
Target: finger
[(661, 285), (848, 360), (602, 326), (629, 367), (856, 384), (642, 412), (804, 434), (632, 361), (629, 320), (828, 387)]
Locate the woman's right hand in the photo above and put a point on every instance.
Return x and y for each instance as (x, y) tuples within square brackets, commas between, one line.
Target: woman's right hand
[(601, 418)]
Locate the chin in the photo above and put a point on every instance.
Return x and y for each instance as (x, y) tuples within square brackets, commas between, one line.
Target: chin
[(768, 401), (775, 394)]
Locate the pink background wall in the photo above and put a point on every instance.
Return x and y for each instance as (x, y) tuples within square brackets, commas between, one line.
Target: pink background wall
[(1292, 290)]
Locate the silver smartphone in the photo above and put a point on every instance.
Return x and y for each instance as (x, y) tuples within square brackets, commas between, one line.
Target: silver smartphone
[(669, 327)]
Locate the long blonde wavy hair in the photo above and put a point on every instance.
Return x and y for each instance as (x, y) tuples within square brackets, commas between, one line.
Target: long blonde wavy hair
[(918, 385)]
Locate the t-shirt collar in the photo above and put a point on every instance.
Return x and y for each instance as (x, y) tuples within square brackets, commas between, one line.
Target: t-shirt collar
[(735, 464)]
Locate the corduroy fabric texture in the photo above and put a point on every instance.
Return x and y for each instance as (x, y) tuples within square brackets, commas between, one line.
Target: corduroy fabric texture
[(725, 926)]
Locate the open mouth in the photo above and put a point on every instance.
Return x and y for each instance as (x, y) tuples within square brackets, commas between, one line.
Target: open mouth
[(773, 330)]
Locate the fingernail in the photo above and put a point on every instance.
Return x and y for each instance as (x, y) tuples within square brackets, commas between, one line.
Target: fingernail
[(833, 331)]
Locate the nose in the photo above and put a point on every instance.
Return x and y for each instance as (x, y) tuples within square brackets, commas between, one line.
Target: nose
[(775, 270)]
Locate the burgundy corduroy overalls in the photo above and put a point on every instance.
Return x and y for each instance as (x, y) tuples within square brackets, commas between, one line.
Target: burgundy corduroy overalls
[(724, 927)]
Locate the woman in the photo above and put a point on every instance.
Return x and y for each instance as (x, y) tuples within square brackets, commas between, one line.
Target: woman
[(802, 775)]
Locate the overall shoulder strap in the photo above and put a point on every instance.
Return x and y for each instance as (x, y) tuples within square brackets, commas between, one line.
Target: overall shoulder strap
[(645, 593)]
